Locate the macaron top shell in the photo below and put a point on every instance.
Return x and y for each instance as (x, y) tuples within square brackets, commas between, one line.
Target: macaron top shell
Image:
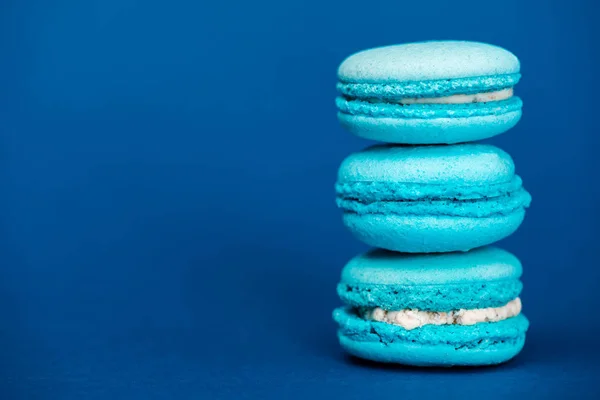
[(465, 164), (480, 278), (427, 61), (381, 267)]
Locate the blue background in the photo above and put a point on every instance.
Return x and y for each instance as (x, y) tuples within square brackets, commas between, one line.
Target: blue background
[(168, 225)]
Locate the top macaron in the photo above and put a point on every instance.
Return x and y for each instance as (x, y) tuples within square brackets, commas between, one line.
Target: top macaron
[(437, 92)]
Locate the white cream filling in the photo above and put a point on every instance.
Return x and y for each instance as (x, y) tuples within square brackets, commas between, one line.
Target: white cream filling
[(411, 319), (454, 99)]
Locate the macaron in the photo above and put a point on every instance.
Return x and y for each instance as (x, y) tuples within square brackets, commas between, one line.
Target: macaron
[(422, 199), (437, 92), (440, 309)]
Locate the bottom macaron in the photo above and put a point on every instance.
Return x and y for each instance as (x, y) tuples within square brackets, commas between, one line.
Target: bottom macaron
[(439, 309), (485, 343)]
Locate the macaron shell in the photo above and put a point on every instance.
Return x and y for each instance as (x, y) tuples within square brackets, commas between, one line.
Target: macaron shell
[(480, 278), (458, 165), (428, 131), (481, 265), (424, 355), (427, 61), (429, 234), (434, 345)]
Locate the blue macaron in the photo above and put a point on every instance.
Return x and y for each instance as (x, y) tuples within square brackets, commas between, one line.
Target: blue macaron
[(432, 309), (437, 92), (430, 198)]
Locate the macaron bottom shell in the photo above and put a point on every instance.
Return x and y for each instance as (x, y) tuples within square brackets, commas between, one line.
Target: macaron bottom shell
[(428, 131), (484, 343), (431, 233), (432, 355)]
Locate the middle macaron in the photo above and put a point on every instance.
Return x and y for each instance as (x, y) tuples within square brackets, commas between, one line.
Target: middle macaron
[(431, 198)]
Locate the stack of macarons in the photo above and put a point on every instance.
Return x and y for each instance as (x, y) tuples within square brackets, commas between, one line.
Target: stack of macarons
[(432, 292)]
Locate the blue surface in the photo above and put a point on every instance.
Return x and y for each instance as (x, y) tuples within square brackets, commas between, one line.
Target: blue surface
[(132, 268)]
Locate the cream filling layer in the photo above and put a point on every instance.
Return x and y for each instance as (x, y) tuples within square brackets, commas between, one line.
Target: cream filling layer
[(454, 99), (411, 319)]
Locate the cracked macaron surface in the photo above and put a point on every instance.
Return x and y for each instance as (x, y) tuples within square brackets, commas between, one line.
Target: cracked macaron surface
[(417, 290), (430, 198), (429, 92)]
